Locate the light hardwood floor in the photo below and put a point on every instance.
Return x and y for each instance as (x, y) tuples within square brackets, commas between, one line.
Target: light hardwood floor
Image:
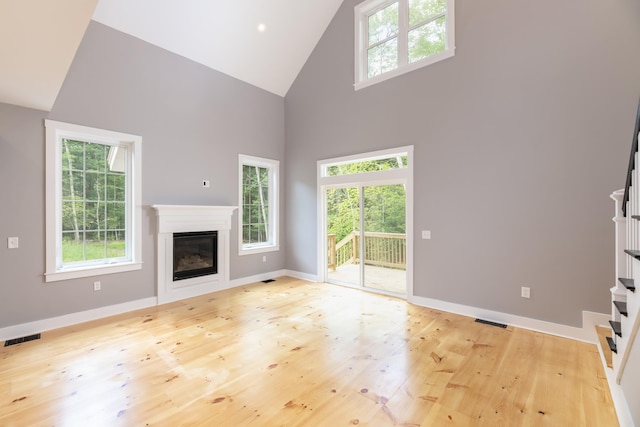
[(294, 353)]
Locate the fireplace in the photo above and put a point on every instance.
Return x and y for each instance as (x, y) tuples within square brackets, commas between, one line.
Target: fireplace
[(195, 254), (192, 259)]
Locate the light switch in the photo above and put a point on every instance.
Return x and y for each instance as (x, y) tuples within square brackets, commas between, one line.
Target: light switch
[(12, 242), (426, 234)]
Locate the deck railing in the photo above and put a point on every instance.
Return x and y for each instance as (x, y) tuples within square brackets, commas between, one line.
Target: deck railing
[(381, 249)]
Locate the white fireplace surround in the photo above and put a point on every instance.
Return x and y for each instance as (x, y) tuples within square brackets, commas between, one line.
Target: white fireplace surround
[(185, 219)]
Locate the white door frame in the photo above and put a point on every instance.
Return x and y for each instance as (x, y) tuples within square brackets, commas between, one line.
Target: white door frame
[(393, 176)]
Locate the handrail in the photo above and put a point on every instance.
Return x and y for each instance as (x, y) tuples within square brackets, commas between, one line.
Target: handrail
[(382, 249), (632, 161)]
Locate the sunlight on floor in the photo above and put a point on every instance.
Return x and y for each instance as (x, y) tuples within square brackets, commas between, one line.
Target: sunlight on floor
[(380, 278)]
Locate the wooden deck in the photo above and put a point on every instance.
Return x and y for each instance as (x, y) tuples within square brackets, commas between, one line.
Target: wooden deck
[(381, 278), (293, 353)]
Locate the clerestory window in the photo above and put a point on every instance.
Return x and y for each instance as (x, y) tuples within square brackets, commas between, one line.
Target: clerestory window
[(397, 36), (258, 216), (92, 201)]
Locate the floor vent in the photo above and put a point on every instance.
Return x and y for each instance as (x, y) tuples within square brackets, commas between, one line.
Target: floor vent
[(21, 340), (268, 280), (488, 322)]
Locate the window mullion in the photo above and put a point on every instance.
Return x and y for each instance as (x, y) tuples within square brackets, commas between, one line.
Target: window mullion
[(378, 43), (425, 22), (403, 32), (105, 195), (84, 201)]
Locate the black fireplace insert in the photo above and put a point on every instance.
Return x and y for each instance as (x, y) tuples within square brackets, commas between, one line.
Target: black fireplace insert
[(195, 254)]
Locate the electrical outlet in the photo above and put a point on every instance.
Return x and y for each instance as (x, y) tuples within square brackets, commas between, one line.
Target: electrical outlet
[(525, 292), (206, 183), (426, 234), (13, 243), (97, 286), (264, 258)]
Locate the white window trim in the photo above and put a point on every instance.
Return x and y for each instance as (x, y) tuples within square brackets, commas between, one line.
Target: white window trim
[(361, 13), (55, 133), (274, 179)]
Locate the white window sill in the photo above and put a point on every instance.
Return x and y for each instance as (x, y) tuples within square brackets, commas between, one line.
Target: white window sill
[(258, 250), (91, 271), (448, 53)]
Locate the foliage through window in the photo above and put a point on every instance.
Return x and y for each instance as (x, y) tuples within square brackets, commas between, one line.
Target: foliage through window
[(393, 37), (371, 165), (385, 207), (258, 196), (92, 202), (384, 210)]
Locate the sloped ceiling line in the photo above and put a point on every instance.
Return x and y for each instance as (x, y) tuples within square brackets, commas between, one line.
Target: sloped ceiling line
[(39, 38)]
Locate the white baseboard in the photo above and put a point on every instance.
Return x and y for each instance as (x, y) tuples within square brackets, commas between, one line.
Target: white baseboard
[(587, 333), (302, 276), (257, 278), (617, 395), (43, 325)]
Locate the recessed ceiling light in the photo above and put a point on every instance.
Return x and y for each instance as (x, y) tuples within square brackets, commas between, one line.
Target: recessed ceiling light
[(262, 27)]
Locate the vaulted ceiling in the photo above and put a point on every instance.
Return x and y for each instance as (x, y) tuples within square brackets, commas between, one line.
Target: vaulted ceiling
[(264, 43)]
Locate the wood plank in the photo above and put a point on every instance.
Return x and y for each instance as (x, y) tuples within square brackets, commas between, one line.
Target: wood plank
[(295, 353), (604, 332)]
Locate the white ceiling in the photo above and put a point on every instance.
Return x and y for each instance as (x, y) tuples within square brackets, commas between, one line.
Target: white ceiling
[(38, 38)]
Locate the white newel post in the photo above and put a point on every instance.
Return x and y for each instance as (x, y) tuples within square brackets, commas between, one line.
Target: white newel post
[(184, 219), (618, 292)]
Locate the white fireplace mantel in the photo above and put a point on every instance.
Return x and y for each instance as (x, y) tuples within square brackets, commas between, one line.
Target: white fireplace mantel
[(184, 219)]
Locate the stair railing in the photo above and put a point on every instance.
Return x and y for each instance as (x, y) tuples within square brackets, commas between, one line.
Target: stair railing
[(627, 237)]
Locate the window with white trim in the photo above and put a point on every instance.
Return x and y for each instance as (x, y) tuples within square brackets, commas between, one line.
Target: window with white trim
[(397, 36), (258, 213), (92, 201)]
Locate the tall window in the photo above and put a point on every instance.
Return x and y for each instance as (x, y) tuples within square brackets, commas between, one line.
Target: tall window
[(397, 36), (93, 201), (259, 204)]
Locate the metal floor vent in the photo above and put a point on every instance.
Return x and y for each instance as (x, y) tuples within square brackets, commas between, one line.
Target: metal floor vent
[(490, 323), (21, 340), (268, 280)]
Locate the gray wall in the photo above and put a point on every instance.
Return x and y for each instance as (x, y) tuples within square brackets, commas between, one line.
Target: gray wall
[(194, 122), (519, 140)]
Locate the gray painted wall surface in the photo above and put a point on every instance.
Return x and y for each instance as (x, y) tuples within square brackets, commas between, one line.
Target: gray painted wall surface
[(519, 140), (194, 122)]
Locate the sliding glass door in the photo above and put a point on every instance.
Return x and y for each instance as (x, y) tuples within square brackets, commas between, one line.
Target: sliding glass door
[(366, 236), (384, 238), (366, 221)]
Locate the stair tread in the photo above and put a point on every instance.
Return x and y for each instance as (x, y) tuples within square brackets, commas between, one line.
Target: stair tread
[(603, 332), (616, 327), (633, 253), (612, 345), (622, 307), (628, 283)]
